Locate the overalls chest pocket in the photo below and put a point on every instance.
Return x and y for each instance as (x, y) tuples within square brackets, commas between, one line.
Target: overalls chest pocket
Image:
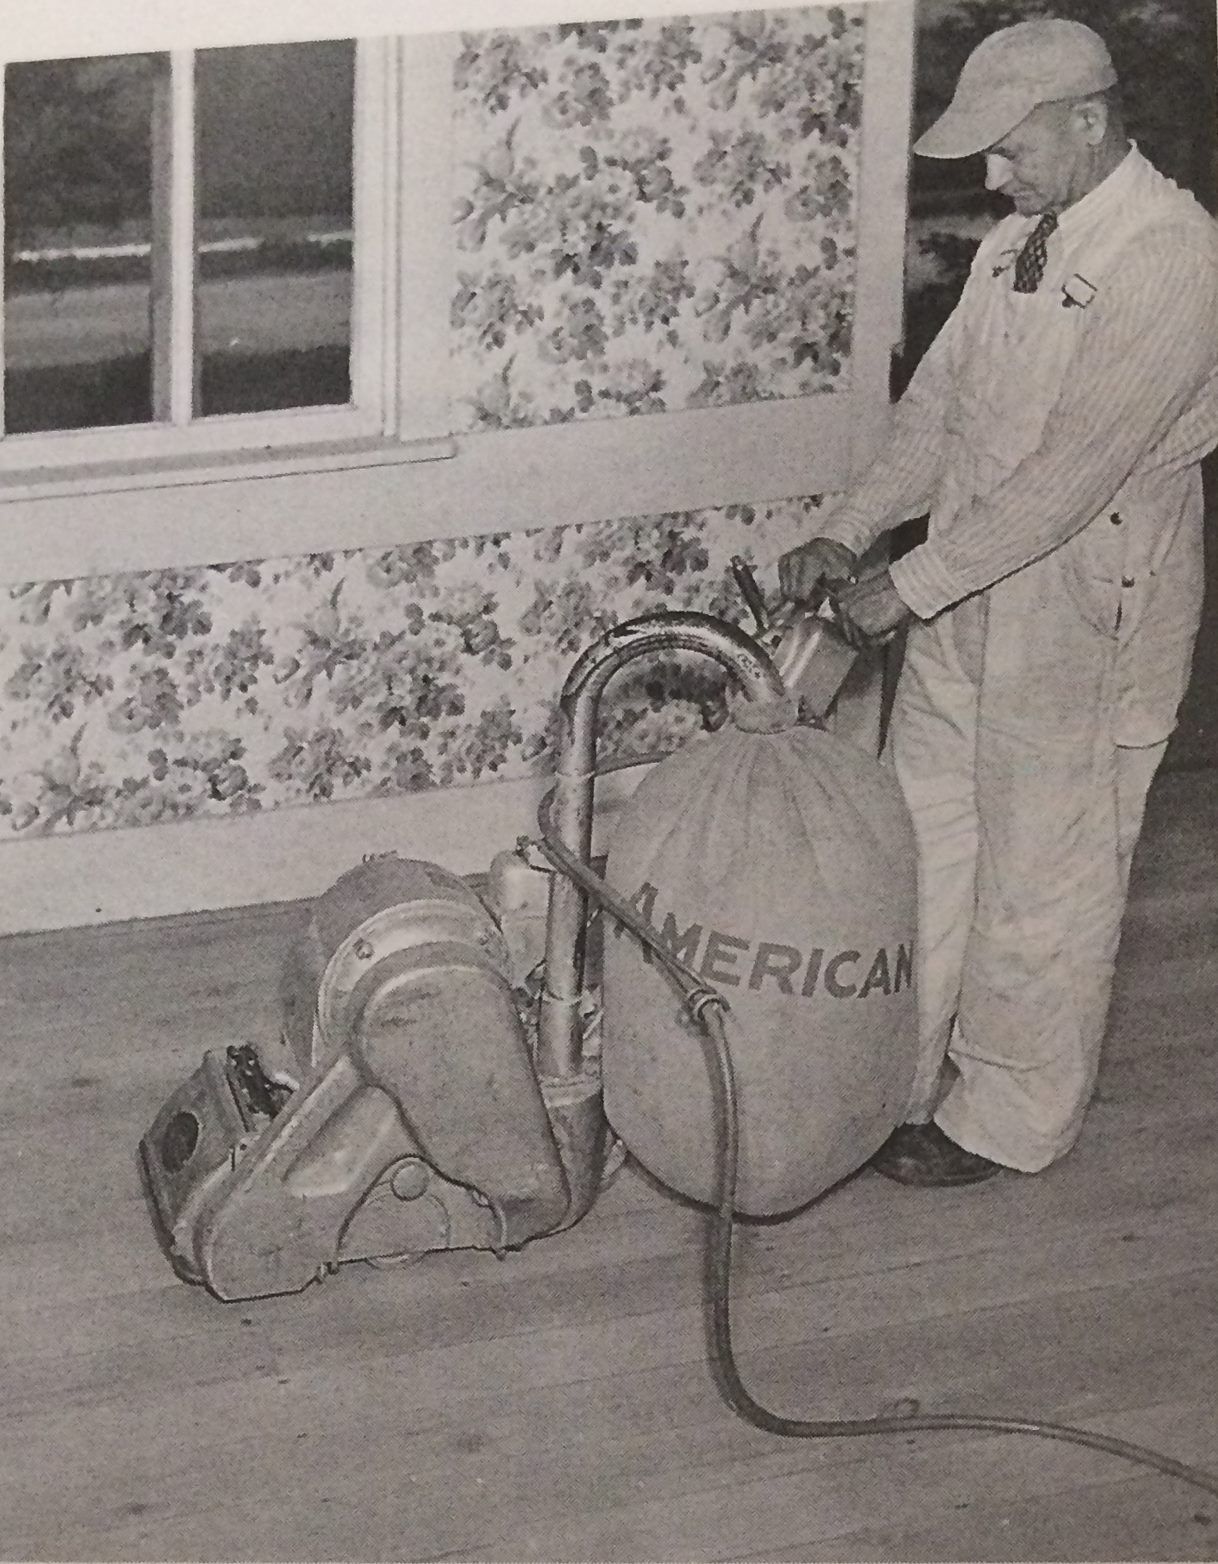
[(1018, 353)]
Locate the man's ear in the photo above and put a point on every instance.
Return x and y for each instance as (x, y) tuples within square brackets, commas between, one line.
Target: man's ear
[(1091, 115)]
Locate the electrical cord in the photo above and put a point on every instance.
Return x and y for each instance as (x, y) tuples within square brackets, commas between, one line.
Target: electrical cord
[(708, 1007), (738, 1397)]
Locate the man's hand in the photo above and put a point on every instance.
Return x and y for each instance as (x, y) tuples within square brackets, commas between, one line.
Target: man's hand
[(804, 569), (872, 605)]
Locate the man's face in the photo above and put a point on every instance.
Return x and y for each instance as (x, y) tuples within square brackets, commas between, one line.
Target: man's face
[(1039, 164)]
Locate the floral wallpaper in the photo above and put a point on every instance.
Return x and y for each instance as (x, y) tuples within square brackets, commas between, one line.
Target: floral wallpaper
[(655, 215), (130, 699), (649, 216)]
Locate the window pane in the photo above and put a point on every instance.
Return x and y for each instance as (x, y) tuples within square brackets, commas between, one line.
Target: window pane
[(77, 290), (274, 192)]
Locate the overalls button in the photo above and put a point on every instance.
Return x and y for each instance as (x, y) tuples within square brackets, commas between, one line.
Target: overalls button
[(1127, 581)]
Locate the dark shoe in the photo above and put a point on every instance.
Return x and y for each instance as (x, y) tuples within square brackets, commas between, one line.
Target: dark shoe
[(922, 1155)]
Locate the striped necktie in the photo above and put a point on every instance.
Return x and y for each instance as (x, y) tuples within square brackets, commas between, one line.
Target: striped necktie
[(1030, 263)]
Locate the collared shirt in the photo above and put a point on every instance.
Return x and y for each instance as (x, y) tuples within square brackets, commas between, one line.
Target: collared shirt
[(1140, 399)]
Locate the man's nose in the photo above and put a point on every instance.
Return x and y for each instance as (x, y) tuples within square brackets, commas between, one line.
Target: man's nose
[(997, 171)]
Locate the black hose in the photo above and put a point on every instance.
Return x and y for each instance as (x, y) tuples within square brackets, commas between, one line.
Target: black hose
[(708, 1006), (719, 1261)]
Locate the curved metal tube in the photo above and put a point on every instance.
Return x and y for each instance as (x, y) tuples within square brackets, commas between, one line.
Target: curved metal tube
[(558, 1048)]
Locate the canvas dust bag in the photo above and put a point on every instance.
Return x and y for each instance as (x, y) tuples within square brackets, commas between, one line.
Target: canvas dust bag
[(777, 861)]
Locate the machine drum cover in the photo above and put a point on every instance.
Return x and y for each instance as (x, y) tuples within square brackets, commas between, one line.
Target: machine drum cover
[(779, 865)]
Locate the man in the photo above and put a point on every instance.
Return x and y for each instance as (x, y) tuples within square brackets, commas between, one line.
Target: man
[(1053, 431)]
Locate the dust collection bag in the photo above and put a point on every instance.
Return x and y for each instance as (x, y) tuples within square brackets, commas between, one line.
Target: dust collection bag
[(778, 862)]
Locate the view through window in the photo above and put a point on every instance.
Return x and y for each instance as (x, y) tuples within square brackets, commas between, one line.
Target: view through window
[(103, 229)]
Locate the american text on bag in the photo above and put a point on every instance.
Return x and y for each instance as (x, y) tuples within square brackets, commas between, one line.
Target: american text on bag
[(723, 958)]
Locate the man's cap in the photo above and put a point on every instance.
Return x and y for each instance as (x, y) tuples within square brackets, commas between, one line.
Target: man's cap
[(1008, 74)]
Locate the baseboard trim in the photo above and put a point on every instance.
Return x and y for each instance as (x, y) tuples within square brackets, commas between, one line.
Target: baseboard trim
[(69, 881)]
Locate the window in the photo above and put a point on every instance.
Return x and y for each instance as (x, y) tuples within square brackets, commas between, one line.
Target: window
[(195, 252), (181, 481)]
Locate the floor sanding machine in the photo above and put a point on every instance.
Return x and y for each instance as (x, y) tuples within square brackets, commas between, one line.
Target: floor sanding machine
[(437, 1082)]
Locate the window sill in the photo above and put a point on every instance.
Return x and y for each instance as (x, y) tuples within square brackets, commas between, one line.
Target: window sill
[(128, 475), (174, 514)]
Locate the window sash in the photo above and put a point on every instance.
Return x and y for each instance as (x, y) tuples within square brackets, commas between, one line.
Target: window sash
[(176, 431), (175, 361)]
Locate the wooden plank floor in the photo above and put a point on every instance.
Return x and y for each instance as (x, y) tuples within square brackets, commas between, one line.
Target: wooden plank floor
[(558, 1405)]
